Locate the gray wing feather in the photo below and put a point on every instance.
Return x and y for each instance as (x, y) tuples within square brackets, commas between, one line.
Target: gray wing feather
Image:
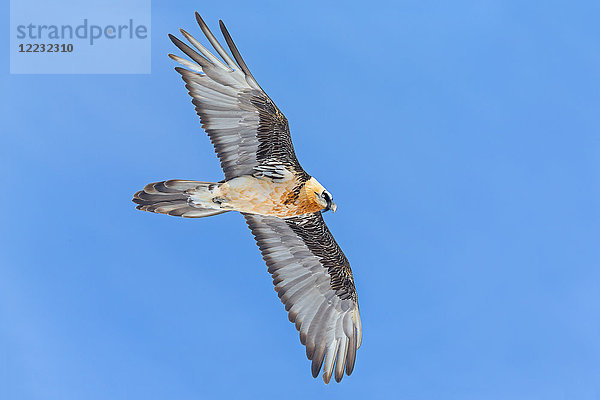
[(313, 280), (249, 133)]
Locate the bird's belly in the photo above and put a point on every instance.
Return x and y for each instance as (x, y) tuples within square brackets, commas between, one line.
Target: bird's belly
[(260, 196)]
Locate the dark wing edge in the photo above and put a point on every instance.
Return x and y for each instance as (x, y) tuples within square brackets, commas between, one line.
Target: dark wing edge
[(313, 280), (244, 125)]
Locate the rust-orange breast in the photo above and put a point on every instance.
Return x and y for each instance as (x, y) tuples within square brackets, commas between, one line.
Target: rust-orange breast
[(266, 197)]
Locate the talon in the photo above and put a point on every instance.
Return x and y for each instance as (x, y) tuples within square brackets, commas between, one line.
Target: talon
[(218, 200)]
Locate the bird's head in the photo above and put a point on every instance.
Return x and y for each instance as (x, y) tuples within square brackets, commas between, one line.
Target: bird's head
[(318, 194)]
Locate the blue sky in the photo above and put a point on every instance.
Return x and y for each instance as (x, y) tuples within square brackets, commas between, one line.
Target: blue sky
[(459, 139)]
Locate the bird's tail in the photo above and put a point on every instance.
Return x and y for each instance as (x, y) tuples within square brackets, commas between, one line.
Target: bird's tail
[(173, 197)]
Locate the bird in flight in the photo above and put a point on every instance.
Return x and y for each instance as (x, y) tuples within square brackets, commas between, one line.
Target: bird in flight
[(282, 204)]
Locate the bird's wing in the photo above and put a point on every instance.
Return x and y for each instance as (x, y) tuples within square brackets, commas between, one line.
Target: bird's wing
[(313, 279), (248, 131)]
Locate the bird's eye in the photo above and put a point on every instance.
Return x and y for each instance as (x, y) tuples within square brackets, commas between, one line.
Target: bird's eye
[(326, 196)]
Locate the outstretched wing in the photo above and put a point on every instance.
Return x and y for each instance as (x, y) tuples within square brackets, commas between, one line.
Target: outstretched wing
[(313, 279), (250, 134)]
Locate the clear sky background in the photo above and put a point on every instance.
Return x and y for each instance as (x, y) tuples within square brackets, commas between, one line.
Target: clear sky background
[(460, 141)]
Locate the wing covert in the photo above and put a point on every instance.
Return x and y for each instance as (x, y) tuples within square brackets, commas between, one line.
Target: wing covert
[(313, 279)]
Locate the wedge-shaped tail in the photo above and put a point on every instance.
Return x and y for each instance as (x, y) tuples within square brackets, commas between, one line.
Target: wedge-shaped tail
[(173, 198)]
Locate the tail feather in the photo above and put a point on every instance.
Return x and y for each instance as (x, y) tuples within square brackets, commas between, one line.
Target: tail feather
[(172, 197)]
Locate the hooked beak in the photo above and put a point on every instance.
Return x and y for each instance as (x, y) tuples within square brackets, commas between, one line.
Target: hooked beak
[(330, 206)]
